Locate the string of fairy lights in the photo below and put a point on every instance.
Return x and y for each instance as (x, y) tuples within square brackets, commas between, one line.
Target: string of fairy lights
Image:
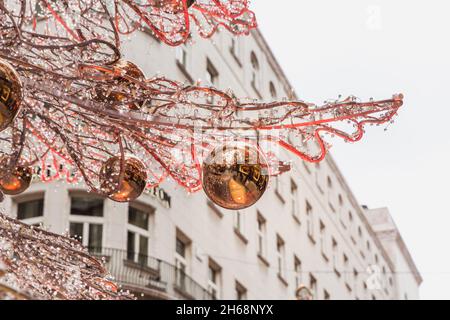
[(71, 105)]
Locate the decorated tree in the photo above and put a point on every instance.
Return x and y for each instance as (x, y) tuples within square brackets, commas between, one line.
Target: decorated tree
[(70, 103)]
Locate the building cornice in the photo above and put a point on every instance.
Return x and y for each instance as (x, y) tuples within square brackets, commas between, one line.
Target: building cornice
[(262, 43)]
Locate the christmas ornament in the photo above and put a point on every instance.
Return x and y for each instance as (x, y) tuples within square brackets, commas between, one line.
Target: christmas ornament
[(235, 176), (10, 94), (303, 293), (123, 180), (15, 181), (119, 85)]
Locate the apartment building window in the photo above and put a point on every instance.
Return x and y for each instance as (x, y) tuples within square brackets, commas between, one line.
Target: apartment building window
[(261, 241), (86, 206), (273, 90), (297, 272), (281, 257), (31, 210), (212, 75), (241, 292), (181, 56), (138, 233), (310, 221), (334, 245), (326, 295), (279, 189), (360, 232), (212, 208), (235, 50), (346, 270), (239, 221), (368, 245), (313, 285), (86, 221), (295, 200), (255, 73), (239, 225), (214, 279), (181, 260), (323, 240), (329, 183), (341, 200)]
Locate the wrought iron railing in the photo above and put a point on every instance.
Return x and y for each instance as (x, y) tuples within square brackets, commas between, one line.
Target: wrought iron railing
[(150, 276)]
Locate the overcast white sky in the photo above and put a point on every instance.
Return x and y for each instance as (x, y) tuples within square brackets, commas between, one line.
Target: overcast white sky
[(375, 48)]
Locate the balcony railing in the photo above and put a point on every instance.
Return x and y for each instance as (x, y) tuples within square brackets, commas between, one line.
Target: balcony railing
[(149, 277)]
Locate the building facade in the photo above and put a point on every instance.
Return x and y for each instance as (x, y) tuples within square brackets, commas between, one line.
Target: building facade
[(308, 229)]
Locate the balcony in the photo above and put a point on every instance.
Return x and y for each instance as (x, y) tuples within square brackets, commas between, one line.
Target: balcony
[(150, 278)]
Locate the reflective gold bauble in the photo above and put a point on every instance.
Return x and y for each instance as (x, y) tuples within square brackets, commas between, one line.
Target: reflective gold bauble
[(15, 182), (303, 293), (11, 94), (235, 176), (130, 187), (128, 69), (172, 6)]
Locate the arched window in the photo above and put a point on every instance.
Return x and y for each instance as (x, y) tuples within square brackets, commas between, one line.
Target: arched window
[(254, 61), (273, 90), (255, 73)]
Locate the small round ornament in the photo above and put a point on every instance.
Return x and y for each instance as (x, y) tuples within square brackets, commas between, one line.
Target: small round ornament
[(115, 97), (235, 176), (130, 187), (303, 293), (16, 181), (11, 94)]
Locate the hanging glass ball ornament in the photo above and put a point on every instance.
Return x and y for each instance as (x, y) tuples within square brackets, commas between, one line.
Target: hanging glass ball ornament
[(172, 6), (127, 88), (11, 94), (235, 176), (16, 181), (132, 184)]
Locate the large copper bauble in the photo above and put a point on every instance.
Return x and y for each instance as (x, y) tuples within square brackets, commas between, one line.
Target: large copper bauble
[(16, 181), (172, 6), (235, 177), (130, 187), (11, 94), (128, 69)]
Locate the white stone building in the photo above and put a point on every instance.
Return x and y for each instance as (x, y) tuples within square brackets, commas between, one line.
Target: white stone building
[(307, 229)]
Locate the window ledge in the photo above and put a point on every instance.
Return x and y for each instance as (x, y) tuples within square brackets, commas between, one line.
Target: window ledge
[(296, 218), (348, 287), (256, 90), (282, 279), (240, 236), (236, 58), (263, 260), (337, 272), (216, 210), (278, 194), (311, 238)]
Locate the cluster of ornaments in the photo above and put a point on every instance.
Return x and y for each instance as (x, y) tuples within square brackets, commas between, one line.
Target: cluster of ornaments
[(234, 177)]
